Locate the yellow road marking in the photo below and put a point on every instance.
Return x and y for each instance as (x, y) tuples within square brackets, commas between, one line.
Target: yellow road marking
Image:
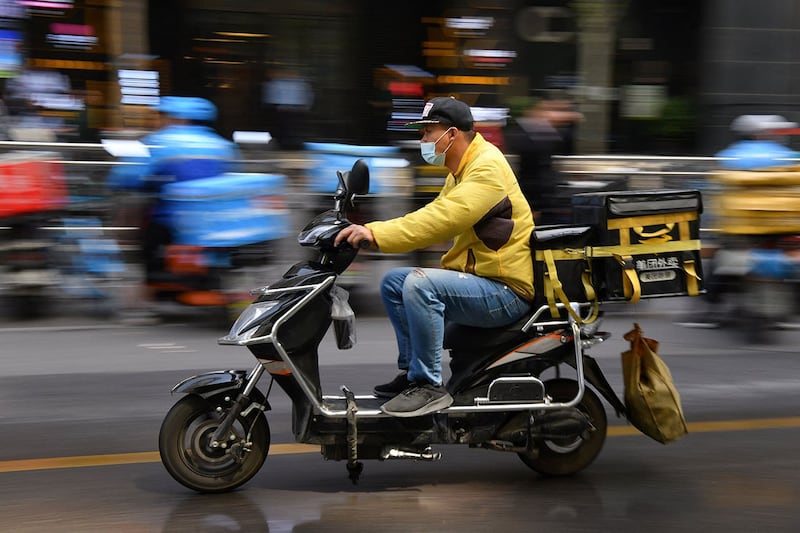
[(720, 425), (53, 463)]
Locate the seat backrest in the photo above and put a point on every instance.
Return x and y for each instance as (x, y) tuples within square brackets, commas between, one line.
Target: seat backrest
[(560, 236), (561, 271)]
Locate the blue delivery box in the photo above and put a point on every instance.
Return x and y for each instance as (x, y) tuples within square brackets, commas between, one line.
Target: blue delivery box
[(330, 157), (229, 210)]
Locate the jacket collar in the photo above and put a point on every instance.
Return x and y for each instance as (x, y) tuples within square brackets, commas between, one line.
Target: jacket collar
[(476, 144)]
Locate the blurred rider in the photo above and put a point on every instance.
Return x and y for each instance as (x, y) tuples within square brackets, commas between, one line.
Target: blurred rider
[(759, 143), (184, 148)]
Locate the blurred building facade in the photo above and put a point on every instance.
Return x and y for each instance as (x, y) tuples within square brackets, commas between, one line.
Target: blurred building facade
[(652, 76), (749, 64)]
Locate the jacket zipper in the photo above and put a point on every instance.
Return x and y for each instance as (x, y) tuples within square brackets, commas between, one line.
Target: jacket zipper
[(470, 266)]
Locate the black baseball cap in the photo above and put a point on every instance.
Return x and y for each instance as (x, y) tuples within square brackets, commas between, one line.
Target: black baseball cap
[(445, 110)]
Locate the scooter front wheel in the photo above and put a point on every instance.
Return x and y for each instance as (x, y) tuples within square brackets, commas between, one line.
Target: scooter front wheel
[(184, 443), (562, 457)]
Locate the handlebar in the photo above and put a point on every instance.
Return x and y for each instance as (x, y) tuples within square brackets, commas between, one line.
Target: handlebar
[(363, 244)]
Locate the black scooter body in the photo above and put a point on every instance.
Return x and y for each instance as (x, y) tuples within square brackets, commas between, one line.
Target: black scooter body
[(472, 350)]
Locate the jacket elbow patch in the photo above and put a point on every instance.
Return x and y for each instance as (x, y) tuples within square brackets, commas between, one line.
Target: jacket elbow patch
[(494, 230)]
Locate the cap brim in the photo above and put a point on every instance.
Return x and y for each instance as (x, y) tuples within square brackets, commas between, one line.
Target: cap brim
[(420, 123)]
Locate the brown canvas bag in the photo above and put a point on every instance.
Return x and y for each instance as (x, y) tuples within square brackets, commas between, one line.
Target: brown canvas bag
[(652, 402)]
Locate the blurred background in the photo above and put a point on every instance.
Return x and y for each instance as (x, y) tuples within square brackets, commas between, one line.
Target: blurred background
[(581, 94), (118, 212), (648, 76)]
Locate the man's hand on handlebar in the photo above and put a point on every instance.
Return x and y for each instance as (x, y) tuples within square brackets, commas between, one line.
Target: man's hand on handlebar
[(356, 236)]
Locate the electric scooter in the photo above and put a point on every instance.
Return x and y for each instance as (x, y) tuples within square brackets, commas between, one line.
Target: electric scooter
[(216, 437)]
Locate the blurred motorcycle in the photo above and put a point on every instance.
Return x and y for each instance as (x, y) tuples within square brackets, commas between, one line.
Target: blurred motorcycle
[(222, 230), (753, 281), (204, 225), (32, 191), (753, 274)]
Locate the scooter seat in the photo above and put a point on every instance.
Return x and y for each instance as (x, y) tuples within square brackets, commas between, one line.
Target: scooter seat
[(459, 337)]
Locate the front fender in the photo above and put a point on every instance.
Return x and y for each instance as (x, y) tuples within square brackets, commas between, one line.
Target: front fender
[(212, 384)]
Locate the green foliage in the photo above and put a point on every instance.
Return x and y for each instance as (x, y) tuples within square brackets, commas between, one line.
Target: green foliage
[(517, 105), (677, 119)]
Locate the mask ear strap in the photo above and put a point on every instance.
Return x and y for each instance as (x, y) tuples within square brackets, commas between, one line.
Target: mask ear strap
[(443, 134), (451, 140)]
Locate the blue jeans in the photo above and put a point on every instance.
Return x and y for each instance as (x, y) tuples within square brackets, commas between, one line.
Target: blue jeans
[(419, 300)]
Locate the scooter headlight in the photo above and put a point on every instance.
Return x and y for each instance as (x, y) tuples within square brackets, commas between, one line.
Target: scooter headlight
[(252, 317)]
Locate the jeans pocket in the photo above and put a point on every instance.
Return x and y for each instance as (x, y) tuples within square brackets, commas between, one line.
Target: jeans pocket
[(510, 307)]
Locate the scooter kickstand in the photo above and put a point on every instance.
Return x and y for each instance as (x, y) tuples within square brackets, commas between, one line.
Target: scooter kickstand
[(354, 467)]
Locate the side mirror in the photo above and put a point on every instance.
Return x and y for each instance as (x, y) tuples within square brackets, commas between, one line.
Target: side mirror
[(357, 180), (352, 182)]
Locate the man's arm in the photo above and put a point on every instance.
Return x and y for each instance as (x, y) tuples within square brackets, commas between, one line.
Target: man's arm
[(453, 212)]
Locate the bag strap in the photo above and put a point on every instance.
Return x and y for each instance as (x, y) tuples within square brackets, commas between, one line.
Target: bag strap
[(631, 288), (634, 249), (651, 220), (692, 278), (553, 287), (637, 224)]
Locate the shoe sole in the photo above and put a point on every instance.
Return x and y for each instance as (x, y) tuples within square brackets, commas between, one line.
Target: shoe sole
[(432, 407)]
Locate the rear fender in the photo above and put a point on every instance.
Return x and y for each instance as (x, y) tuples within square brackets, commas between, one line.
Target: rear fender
[(594, 375), (211, 384)]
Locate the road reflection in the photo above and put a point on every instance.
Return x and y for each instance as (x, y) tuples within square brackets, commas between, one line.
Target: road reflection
[(417, 500), (461, 506), (203, 513), (702, 483)]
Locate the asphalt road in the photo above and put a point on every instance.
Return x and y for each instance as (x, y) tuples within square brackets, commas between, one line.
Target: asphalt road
[(82, 400)]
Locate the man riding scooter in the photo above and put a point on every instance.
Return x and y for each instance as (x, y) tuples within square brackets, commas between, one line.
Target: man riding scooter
[(486, 277), (184, 148)]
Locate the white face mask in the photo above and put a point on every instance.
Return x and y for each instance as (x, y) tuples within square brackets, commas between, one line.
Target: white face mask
[(428, 151)]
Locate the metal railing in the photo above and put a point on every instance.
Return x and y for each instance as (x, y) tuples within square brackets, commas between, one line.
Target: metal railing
[(87, 165), (646, 172)]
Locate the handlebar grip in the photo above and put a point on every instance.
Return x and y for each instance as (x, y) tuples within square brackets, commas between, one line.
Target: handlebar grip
[(363, 244)]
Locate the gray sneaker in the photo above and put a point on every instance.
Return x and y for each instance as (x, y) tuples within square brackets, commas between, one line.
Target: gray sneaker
[(418, 400)]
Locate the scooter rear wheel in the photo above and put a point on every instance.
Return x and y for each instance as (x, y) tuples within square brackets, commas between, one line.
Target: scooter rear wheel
[(187, 455), (563, 457)]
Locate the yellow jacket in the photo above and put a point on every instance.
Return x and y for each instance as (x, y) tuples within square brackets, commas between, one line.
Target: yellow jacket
[(483, 210)]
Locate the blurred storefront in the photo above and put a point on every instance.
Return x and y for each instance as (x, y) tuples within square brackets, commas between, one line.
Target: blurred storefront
[(45, 46), (302, 70), (749, 65), (61, 60), (662, 76), (347, 71)]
